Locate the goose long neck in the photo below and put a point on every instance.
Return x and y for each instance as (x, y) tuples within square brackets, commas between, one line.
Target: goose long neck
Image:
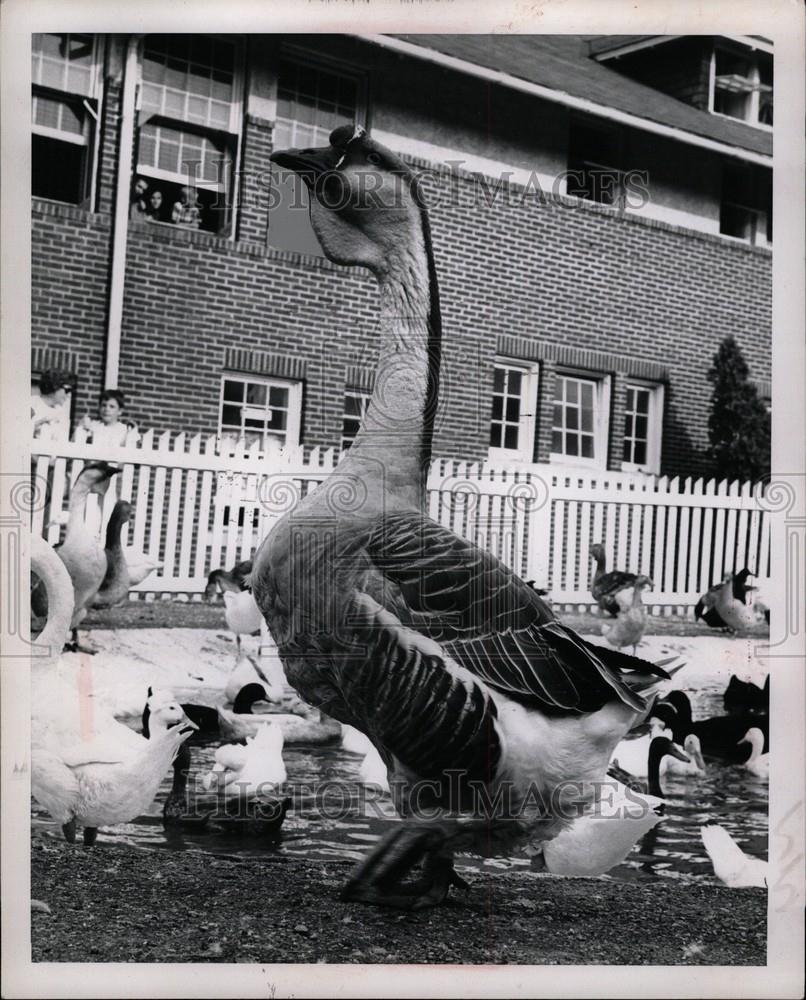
[(53, 573), (653, 773), (77, 503), (113, 530), (397, 430)]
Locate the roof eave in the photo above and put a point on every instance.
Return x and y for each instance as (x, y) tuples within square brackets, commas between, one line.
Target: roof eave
[(568, 100)]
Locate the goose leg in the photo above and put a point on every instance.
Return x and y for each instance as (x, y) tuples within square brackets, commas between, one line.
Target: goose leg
[(76, 647), (69, 831), (90, 833), (378, 880)]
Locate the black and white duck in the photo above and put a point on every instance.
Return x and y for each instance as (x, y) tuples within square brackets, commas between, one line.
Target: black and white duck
[(612, 591)]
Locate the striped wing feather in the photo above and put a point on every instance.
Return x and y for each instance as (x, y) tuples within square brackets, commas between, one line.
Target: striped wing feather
[(493, 624)]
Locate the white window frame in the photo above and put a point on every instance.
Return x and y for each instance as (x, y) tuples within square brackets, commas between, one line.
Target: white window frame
[(601, 420), (530, 381), (754, 80), (654, 427), (228, 186), (294, 404), (365, 397), (90, 137)]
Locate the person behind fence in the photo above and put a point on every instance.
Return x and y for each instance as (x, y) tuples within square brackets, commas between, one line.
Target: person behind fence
[(187, 211), (138, 207), (111, 429), (50, 412), (154, 210)]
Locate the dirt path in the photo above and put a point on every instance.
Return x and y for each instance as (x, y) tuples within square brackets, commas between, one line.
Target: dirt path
[(118, 904)]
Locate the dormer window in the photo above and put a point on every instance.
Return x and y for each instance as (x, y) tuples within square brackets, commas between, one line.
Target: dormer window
[(741, 84)]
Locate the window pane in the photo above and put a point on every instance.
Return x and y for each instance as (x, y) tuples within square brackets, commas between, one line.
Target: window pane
[(498, 407), (233, 389), (641, 427), (639, 453), (513, 409), (572, 418), (557, 442), (557, 415), (498, 380), (587, 420), (587, 446), (495, 435), (278, 396), (514, 382), (231, 415), (256, 394), (278, 420), (571, 444), (571, 390), (511, 437)]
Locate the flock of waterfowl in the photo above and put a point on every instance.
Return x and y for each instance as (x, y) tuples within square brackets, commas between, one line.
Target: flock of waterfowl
[(495, 725)]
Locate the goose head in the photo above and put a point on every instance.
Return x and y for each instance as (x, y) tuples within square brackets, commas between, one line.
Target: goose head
[(249, 696), (755, 737), (162, 713), (643, 583), (96, 476), (597, 552), (365, 203)]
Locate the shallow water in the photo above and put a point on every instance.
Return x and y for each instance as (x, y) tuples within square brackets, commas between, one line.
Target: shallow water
[(333, 816)]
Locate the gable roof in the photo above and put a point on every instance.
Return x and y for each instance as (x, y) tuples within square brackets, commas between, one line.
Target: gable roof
[(562, 64)]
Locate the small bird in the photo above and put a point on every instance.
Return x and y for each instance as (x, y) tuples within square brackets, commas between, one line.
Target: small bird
[(731, 865), (630, 625), (232, 581), (612, 591), (757, 763), (242, 614)]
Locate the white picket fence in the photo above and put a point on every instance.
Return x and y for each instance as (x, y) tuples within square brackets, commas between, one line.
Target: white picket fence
[(201, 504)]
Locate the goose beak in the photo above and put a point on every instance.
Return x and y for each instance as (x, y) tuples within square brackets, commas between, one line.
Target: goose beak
[(675, 751), (310, 164)]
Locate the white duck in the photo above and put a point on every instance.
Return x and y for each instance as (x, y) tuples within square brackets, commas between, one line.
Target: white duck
[(603, 837), (731, 865), (242, 614), (757, 763), (107, 779), (249, 770), (694, 766)]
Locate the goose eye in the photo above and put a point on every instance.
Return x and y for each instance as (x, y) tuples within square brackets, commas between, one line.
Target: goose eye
[(374, 159)]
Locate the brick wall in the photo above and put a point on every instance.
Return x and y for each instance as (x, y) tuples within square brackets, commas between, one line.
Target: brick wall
[(558, 273)]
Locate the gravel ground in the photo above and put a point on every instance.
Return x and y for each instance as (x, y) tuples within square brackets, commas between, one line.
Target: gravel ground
[(197, 614), (121, 904)]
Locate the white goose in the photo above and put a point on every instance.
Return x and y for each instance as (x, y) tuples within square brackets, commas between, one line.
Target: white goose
[(757, 763), (86, 767), (393, 624), (731, 865)]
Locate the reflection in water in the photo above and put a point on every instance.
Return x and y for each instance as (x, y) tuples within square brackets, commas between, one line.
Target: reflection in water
[(333, 816)]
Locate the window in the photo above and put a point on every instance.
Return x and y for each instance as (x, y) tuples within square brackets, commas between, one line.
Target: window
[(742, 84), (355, 406), (746, 206), (512, 423), (312, 100), (579, 419), (189, 129), (259, 409), (64, 75), (594, 158), (643, 421)]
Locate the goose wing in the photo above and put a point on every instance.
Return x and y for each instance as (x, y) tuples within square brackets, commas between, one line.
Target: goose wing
[(611, 583), (494, 625)]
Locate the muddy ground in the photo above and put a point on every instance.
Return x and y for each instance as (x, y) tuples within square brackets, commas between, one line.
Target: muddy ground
[(122, 904)]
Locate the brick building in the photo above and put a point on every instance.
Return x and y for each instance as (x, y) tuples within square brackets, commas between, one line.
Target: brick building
[(600, 209)]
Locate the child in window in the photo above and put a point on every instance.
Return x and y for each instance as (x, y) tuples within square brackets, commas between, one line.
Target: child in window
[(138, 208), (110, 430), (50, 410), (154, 210), (187, 211)]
